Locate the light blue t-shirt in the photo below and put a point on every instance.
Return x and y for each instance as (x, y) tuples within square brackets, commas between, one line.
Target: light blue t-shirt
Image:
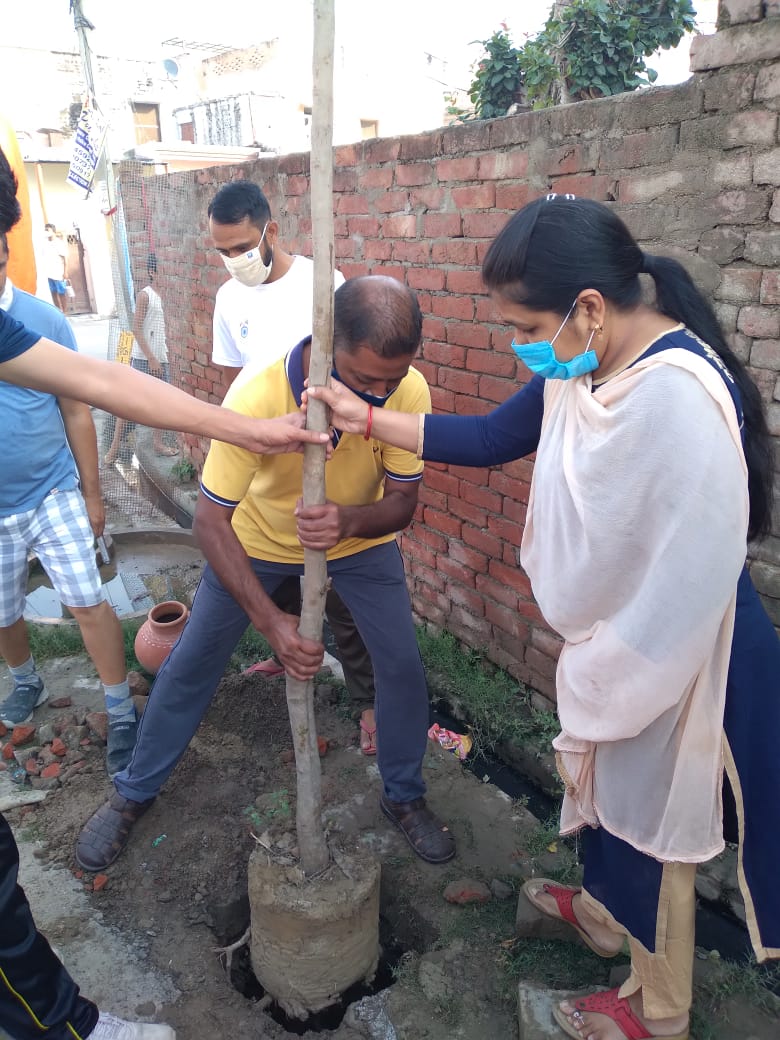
[(34, 456)]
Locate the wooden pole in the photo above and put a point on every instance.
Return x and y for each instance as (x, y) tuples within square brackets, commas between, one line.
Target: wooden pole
[(313, 847)]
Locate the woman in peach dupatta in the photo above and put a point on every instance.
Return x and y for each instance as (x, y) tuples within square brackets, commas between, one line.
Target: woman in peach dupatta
[(653, 469)]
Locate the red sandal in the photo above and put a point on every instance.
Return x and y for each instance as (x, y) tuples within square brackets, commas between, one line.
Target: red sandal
[(563, 897), (368, 732), (270, 668), (613, 1006)]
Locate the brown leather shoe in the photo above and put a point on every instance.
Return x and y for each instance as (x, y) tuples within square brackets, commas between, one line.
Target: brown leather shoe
[(428, 836), (107, 831)]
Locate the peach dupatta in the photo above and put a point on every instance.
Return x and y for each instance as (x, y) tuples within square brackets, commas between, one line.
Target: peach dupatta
[(634, 542)]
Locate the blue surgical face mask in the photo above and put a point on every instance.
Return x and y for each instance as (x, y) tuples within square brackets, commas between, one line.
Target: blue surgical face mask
[(372, 399), (541, 359)]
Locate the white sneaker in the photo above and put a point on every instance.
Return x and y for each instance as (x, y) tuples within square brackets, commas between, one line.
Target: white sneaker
[(111, 1028)]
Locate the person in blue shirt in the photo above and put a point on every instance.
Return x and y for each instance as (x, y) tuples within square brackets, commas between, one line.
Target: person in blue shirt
[(50, 504)]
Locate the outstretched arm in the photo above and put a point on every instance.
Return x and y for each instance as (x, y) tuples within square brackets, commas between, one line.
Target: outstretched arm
[(132, 395)]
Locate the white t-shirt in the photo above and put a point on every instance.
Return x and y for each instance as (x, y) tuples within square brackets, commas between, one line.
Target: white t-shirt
[(153, 328), (257, 325)]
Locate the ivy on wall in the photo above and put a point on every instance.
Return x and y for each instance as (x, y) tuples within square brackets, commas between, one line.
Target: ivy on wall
[(587, 49)]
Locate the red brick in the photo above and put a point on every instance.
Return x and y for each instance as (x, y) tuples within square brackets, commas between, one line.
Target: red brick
[(460, 251), (465, 282), (21, 735), (99, 882), (427, 198), (8, 751), (468, 557), (442, 400), (378, 177), (344, 181), (505, 529), (482, 540), (601, 188), (480, 196), (457, 169), (495, 590), (442, 522), (770, 287), (511, 577), (400, 227), (391, 202), (495, 389), (481, 496), (513, 196), (407, 174), (444, 354), (506, 619), (548, 642), (53, 770), (540, 662), (377, 249), (382, 149), (471, 474), (488, 361), (3, 729), (483, 225), (454, 571), (465, 626), (368, 227), (412, 252), (58, 747), (459, 381), (432, 539), (759, 321), (468, 598), (346, 155), (441, 480), (453, 307), (468, 512), (503, 165), (352, 204), (467, 335), (442, 225)]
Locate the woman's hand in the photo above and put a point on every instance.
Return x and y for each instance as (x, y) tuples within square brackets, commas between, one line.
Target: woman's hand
[(349, 413)]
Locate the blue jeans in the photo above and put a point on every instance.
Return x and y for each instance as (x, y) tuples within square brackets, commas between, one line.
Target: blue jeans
[(373, 586)]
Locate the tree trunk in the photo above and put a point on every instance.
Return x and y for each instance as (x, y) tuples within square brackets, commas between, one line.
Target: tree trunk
[(300, 695)]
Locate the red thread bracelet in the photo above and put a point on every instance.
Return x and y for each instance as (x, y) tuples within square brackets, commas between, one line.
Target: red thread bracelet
[(367, 434)]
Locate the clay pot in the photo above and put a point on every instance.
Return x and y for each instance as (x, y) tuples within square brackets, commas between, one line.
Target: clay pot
[(159, 632)]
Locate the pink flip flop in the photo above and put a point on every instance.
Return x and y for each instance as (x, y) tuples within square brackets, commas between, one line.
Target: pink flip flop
[(563, 896), (613, 1006), (269, 668), (367, 736)]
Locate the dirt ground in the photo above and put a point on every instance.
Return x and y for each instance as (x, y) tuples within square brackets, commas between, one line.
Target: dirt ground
[(179, 890)]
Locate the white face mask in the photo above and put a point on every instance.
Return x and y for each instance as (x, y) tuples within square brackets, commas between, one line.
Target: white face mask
[(250, 268)]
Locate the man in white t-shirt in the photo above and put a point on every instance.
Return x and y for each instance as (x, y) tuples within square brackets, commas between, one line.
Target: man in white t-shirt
[(266, 307), (259, 316)]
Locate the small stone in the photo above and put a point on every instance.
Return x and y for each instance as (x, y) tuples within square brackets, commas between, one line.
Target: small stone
[(98, 723), (85, 742), (23, 754), (53, 770), (466, 890), (99, 882), (72, 770), (73, 735), (58, 747), (61, 702), (46, 733), (44, 783), (139, 686), (46, 756), (21, 734), (63, 721), (500, 889), (8, 751), (78, 874), (165, 896), (32, 767)]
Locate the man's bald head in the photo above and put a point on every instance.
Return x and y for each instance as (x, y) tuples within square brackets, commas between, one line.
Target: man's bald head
[(10, 211), (377, 312)]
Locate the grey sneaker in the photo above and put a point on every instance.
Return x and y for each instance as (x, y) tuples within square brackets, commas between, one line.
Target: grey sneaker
[(19, 705), (109, 1027), (120, 744)]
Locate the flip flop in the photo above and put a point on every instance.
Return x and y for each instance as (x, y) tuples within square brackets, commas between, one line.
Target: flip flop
[(563, 897), (615, 1007), (367, 735), (269, 668)]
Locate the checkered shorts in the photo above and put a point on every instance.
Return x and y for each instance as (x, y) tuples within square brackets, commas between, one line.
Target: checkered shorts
[(59, 534)]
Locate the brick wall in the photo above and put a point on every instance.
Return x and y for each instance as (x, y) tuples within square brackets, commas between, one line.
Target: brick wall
[(694, 170)]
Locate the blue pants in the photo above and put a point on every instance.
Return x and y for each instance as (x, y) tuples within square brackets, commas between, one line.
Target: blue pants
[(37, 995), (373, 586)]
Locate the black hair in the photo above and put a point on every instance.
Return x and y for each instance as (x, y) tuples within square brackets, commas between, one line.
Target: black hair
[(556, 246), (379, 312), (10, 210), (237, 200), (52, 226), (4, 240), (151, 264)]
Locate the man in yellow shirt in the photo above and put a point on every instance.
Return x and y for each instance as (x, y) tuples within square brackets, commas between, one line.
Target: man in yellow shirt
[(253, 530)]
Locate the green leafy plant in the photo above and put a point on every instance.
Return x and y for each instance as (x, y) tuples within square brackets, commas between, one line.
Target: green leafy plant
[(496, 83), (183, 470), (587, 49)]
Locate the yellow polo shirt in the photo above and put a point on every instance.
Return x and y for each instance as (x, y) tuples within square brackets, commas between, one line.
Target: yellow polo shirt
[(264, 489)]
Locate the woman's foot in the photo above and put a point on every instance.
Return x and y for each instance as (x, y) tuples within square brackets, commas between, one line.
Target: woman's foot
[(620, 1017), (599, 937), (368, 732)]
